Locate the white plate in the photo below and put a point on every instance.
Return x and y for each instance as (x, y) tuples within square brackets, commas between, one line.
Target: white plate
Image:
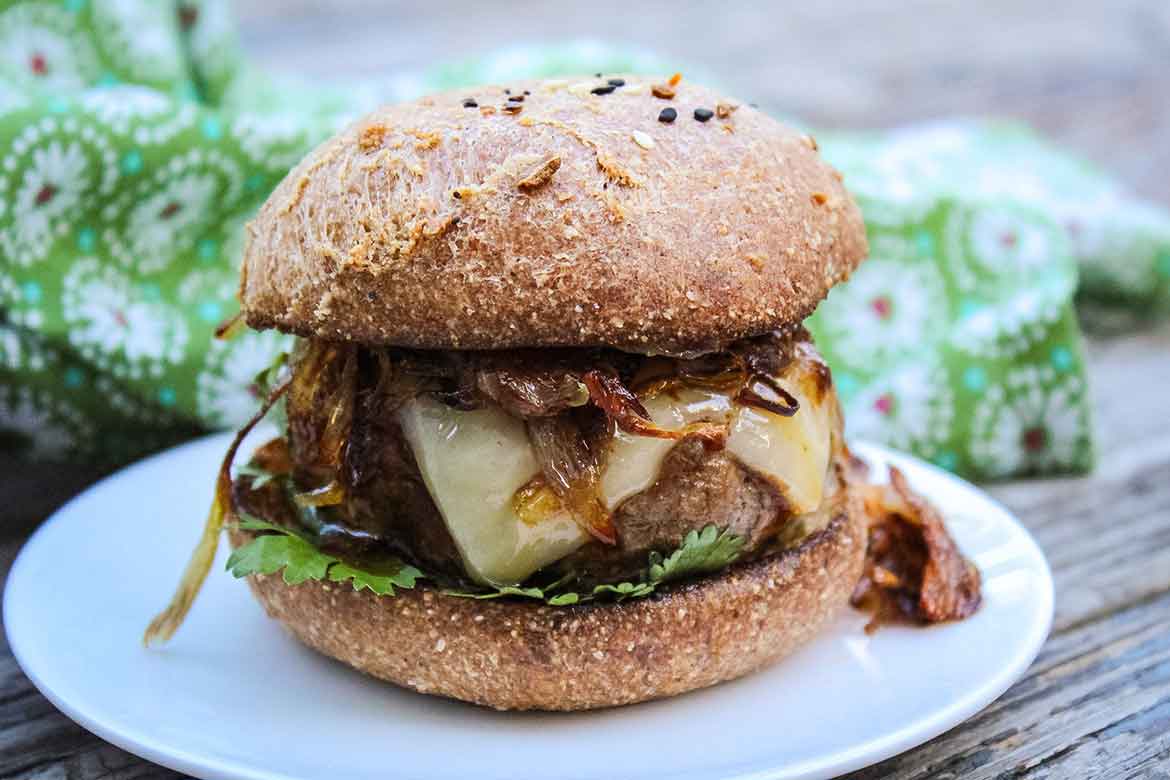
[(233, 697)]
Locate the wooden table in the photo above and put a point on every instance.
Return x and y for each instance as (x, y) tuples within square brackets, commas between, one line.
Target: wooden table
[(1094, 75)]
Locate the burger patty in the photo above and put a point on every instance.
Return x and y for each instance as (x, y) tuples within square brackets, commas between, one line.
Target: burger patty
[(695, 488), (387, 506)]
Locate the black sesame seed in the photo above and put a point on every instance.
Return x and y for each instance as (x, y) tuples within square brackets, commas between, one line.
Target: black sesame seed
[(598, 75), (616, 82), (703, 114), (507, 91), (470, 103), (667, 115), (527, 92), (603, 90), (516, 99)]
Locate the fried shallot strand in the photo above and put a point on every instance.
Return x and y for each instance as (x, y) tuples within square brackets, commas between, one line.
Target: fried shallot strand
[(223, 511), (611, 396)]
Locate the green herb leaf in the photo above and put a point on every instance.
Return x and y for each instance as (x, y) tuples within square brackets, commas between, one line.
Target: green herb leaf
[(626, 590), (381, 582), (270, 553), (702, 552), (292, 552), (501, 590), (563, 599)]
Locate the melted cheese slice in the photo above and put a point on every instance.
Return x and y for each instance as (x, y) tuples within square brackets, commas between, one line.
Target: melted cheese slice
[(474, 462), (792, 452)]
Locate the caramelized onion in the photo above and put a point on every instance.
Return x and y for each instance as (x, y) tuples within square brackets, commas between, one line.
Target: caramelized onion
[(787, 406), (532, 393), (913, 568), (223, 510), (536, 502), (571, 461), (231, 327), (320, 407), (331, 494), (620, 405)]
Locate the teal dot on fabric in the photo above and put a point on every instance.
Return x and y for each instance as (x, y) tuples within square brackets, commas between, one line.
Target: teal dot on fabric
[(969, 307), (209, 311), (947, 460), (211, 127), (1164, 263), (846, 384), (975, 379), (187, 91), (208, 250), (924, 241), (86, 239), (132, 161), (73, 377), (74, 5), (108, 79), (166, 396), (59, 105), (1062, 358), (31, 292), (151, 291), (255, 182)]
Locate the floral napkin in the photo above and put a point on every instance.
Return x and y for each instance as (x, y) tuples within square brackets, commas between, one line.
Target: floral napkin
[(135, 142)]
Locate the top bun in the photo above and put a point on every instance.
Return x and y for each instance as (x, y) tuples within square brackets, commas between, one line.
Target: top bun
[(571, 215)]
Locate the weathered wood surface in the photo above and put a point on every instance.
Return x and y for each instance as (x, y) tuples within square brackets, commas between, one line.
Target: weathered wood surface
[(1095, 75)]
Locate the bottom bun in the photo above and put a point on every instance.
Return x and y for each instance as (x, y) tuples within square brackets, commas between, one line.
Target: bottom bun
[(519, 655)]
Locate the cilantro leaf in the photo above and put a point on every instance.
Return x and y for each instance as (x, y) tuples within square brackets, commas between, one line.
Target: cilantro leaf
[(292, 552), (270, 553), (626, 590), (563, 599), (250, 523), (702, 552), (500, 590), (381, 582)]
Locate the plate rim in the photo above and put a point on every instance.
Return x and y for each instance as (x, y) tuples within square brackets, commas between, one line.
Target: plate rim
[(970, 702)]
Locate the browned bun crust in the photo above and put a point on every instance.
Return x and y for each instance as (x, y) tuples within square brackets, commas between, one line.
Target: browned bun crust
[(518, 655), (434, 225)]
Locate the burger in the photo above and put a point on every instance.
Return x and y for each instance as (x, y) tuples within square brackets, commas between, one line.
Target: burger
[(552, 435)]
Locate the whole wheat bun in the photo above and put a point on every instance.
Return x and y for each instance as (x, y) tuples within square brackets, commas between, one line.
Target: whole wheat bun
[(572, 219), (521, 655)]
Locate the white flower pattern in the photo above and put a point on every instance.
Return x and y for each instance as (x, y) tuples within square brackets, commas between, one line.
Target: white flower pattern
[(168, 213), (42, 49), (909, 408), (48, 175), (1034, 421), (116, 326), (227, 394), (886, 310), (143, 38)]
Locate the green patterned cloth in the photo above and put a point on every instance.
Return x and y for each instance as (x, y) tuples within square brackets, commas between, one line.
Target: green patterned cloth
[(135, 142)]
